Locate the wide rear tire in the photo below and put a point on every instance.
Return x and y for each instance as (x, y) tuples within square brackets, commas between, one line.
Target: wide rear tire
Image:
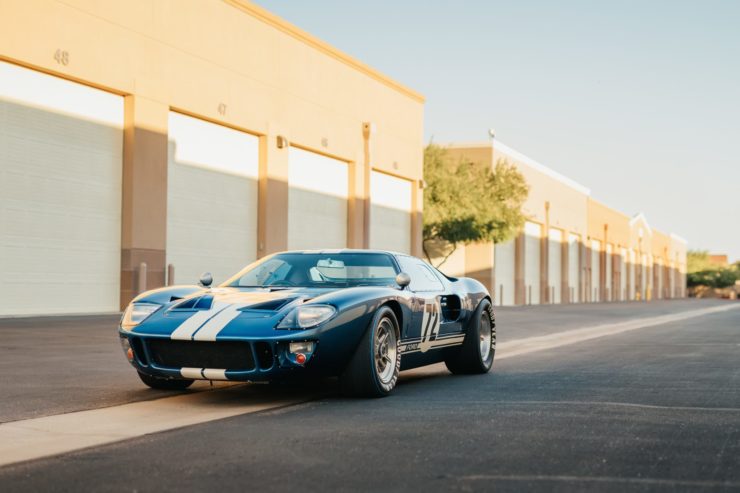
[(374, 367), (479, 347), (165, 383)]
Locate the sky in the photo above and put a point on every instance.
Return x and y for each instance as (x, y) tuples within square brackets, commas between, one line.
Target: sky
[(637, 100)]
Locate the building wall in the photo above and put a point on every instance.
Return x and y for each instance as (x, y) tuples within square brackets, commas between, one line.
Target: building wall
[(232, 63), (619, 258)]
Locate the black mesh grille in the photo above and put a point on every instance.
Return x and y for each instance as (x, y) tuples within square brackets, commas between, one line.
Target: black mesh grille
[(230, 355)]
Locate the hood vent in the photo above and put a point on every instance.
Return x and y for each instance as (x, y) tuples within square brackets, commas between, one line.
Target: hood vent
[(196, 303), (272, 305)]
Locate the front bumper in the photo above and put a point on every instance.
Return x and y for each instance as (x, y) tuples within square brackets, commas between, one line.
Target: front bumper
[(237, 360)]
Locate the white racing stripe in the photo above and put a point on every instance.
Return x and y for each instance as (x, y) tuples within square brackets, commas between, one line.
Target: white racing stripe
[(214, 374), (41, 437), (186, 329), (192, 373), (212, 327)]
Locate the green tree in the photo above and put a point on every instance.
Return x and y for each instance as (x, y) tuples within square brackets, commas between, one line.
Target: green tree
[(698, 261), (466, 202)]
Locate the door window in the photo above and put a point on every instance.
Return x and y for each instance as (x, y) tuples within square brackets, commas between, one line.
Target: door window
[(422, 276)]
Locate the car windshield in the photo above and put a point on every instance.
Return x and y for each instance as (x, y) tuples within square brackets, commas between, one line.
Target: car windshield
[(318, 270)]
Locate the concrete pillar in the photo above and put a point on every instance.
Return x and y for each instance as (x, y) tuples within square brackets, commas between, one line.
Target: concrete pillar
[(564, 269), (144, 194), (479, 264), (272, 215), (520, 288)]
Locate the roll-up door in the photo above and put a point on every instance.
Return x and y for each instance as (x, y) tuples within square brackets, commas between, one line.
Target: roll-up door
[(61, 148), (574, 267), (595, 270), (390, 214), (555, 264), (317, 201), (532, 238), (211, 199), (504, 258)]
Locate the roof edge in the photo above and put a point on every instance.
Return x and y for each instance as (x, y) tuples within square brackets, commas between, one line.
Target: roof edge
[(286, 27)]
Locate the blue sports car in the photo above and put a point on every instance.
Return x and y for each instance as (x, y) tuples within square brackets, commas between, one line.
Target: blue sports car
[(361, 315)]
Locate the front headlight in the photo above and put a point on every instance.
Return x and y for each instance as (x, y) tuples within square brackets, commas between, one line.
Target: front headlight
[(137, 313), (307, 316)]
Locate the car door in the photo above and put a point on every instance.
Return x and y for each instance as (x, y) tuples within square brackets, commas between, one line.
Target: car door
[(428, 291)]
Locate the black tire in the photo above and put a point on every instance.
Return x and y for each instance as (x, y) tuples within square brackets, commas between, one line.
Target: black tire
[(366, 377), (165, 383), (469, 358)]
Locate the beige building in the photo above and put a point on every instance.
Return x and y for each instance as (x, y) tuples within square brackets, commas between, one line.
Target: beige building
[(572, 248), (142, 143)]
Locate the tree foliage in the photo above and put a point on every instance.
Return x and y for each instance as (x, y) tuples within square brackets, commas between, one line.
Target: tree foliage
[(467, 202), (702, 272), (697, 261)]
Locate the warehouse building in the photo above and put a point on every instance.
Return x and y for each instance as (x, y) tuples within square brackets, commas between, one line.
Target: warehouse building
[(572, 248), (144, 143)]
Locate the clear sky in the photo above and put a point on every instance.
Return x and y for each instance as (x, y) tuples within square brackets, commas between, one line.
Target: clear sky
[(637, 100)]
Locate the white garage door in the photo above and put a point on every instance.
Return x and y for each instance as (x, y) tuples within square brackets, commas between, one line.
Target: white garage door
[(595, 270), (555, 264), (390, 213), (533, 237), (574, 245), (61, 147), (317, 201), (211, 199), (504, 258)]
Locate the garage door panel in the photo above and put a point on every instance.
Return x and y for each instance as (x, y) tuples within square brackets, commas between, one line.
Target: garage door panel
[(317, 201), (61, 147), (555, 264), (211, 199), (532, 238), (390, 214), (504, 255)]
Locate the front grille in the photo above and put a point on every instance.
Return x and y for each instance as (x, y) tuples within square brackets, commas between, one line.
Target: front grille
[(230, 355)]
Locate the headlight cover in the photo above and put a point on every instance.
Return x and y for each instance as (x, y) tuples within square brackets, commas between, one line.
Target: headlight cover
[(307, 316), (137, 313)]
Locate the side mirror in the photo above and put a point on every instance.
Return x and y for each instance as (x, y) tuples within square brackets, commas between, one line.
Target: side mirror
[(206, 279), (403, 280)]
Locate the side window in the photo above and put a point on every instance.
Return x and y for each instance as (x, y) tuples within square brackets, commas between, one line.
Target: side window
[(422, 277)]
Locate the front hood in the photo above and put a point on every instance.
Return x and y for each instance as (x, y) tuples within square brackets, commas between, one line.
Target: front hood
[(203, 314)]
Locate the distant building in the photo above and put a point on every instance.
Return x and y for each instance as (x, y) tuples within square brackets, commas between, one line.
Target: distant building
[(573, 248), (719, 260)]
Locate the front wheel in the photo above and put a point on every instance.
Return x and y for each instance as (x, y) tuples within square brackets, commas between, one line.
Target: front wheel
[(373, 369), (165, 383), (479, 347)]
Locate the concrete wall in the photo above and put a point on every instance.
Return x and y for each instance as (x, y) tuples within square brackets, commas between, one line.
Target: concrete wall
[(232, 63)]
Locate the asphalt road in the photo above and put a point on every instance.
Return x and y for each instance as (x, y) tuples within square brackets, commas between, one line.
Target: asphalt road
[(654, 409)]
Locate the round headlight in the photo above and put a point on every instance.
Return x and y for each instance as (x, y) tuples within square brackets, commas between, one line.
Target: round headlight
[(137, 313), (307, 316)]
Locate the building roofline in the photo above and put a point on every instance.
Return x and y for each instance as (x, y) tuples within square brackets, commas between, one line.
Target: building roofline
[(679, 239), (286, 27), (498, 145)]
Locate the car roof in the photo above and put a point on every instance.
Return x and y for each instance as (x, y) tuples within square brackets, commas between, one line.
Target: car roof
[(347, 250)]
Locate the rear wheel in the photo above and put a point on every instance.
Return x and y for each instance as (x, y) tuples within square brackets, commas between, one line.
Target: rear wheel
[(373, 369), (165, 383), (479, 347)]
